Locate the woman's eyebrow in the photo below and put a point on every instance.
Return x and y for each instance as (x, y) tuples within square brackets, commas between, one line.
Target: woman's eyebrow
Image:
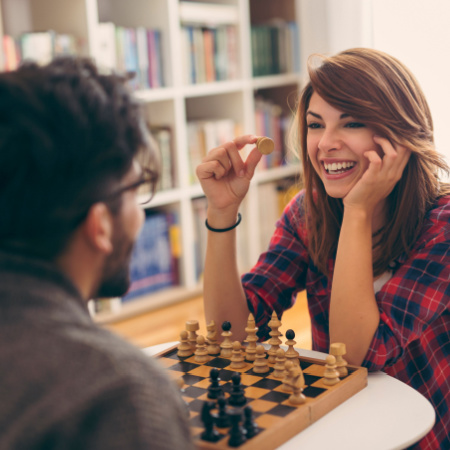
[(318, 116)]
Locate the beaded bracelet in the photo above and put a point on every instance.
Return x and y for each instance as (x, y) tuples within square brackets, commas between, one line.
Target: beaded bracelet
[(222, 230)]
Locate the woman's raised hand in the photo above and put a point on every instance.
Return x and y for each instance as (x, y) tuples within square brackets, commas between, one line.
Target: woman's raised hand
[(381, 176), (225, 176)]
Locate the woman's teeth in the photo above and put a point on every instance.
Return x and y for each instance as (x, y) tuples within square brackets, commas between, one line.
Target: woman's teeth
[(336, 168)]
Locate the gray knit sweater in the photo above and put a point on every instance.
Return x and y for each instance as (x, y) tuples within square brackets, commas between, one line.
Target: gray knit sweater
[(65, 383)]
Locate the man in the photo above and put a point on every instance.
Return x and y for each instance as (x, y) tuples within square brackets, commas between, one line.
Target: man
[(70, 139)]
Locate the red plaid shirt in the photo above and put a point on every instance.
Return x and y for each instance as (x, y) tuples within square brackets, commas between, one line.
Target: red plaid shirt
[(412, 342)]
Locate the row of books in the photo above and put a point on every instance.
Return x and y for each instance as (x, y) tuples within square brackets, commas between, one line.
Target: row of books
[(40, 47), (270, 120), (155, 258), (137, 50), (275, 48), (210, 54), (204, 135), (276, 196)]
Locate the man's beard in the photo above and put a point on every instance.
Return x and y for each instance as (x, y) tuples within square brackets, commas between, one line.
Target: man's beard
[(116, 271)]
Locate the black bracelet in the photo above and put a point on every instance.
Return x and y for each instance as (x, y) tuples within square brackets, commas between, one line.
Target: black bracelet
[(222, 230)]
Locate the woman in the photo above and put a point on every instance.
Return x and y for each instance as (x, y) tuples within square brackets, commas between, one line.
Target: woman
[(368, 237)]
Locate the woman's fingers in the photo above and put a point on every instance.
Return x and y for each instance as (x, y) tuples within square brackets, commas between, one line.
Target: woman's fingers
[(395, 158), (220, 160)]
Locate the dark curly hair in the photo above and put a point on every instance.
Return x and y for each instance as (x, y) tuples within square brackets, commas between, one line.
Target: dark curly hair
[(68, 135)]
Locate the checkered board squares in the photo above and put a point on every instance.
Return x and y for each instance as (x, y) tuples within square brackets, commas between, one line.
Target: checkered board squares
[(276, 417)]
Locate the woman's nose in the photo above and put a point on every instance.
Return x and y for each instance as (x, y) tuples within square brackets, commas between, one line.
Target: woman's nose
[(330, 140)]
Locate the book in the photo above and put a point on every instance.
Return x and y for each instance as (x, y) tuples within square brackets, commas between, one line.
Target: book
[(163, 137), (106, 55), (151, 267)]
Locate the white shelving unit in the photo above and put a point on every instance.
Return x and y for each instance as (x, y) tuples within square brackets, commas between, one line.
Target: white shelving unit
[(178, 103)]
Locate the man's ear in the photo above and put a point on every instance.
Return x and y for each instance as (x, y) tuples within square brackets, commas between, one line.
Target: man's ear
[(98, 228)]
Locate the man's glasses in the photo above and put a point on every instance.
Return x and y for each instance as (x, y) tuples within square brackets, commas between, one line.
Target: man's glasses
[(146, 186)]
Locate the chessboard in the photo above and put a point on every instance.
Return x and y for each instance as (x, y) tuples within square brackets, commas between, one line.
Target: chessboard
[(276, 418)]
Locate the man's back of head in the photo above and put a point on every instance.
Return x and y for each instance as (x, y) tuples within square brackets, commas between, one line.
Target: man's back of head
[(68, 135)]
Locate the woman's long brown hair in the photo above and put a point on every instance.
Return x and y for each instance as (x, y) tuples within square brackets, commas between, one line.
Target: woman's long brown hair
[(379, 91)]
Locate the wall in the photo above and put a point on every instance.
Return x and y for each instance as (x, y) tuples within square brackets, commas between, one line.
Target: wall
[(417, 32)]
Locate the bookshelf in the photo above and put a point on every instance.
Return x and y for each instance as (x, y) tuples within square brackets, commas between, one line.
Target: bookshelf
[(231, 94)]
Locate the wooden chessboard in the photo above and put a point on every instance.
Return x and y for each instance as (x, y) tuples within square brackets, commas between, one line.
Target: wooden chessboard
[(277, 418)]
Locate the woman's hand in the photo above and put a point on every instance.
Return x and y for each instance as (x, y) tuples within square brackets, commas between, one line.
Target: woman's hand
[(224, 176), (381, 176)]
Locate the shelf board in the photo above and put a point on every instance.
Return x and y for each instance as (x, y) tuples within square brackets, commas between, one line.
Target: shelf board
[(269, 81), (211, 14), (155, 95), (264, 176), (213, 88), (149, 303)]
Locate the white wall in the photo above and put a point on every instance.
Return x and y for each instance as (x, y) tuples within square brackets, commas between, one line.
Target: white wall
[(417, 32)]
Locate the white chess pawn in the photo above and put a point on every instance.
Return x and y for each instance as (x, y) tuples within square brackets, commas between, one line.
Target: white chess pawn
[(184, 347), (280, 361), (338, 350), (260, 365), (201, 352), (331, 375), (237, 357)]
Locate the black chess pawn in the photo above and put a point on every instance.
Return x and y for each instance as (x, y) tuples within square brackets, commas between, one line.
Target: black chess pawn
[(249, 424), (237, 396), (226, 326), (237, 432), (214, 389), (222, 419), (210, 434)]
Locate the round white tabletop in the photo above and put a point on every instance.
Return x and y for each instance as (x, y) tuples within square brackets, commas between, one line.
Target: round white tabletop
[(387, 414)]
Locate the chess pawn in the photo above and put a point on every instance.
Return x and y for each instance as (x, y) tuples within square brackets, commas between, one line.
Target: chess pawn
[(331, 375), (298, 384), (274, 341), (211, 339), (291, 353), (192, 327), (215, 389), (252, 339), (251, 427), (280, 361), (237, 357), (201, 352), (260, 365), (237, 432), (338, 350), (287, 381), (210, 434), (226, 346), (184, 348), (237, 395)]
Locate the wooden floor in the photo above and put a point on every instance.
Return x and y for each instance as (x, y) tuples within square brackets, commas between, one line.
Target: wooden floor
[(164, 325)]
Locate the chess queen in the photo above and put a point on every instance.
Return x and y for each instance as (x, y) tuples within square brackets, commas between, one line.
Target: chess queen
[(367, 236)]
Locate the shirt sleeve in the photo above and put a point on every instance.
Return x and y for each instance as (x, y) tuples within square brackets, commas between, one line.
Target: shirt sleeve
[(416, 296), (280, 272)]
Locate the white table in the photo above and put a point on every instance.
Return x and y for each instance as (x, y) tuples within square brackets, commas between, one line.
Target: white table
[(387, 414)]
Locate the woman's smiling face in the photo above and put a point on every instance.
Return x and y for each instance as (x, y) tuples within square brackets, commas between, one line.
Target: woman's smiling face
[(336, 143)]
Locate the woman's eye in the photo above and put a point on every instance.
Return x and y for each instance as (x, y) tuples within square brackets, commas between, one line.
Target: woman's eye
[(313, 125), (355, 125)]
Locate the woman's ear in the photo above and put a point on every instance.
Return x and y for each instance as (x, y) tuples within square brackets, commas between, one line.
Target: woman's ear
[(98, 228)]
